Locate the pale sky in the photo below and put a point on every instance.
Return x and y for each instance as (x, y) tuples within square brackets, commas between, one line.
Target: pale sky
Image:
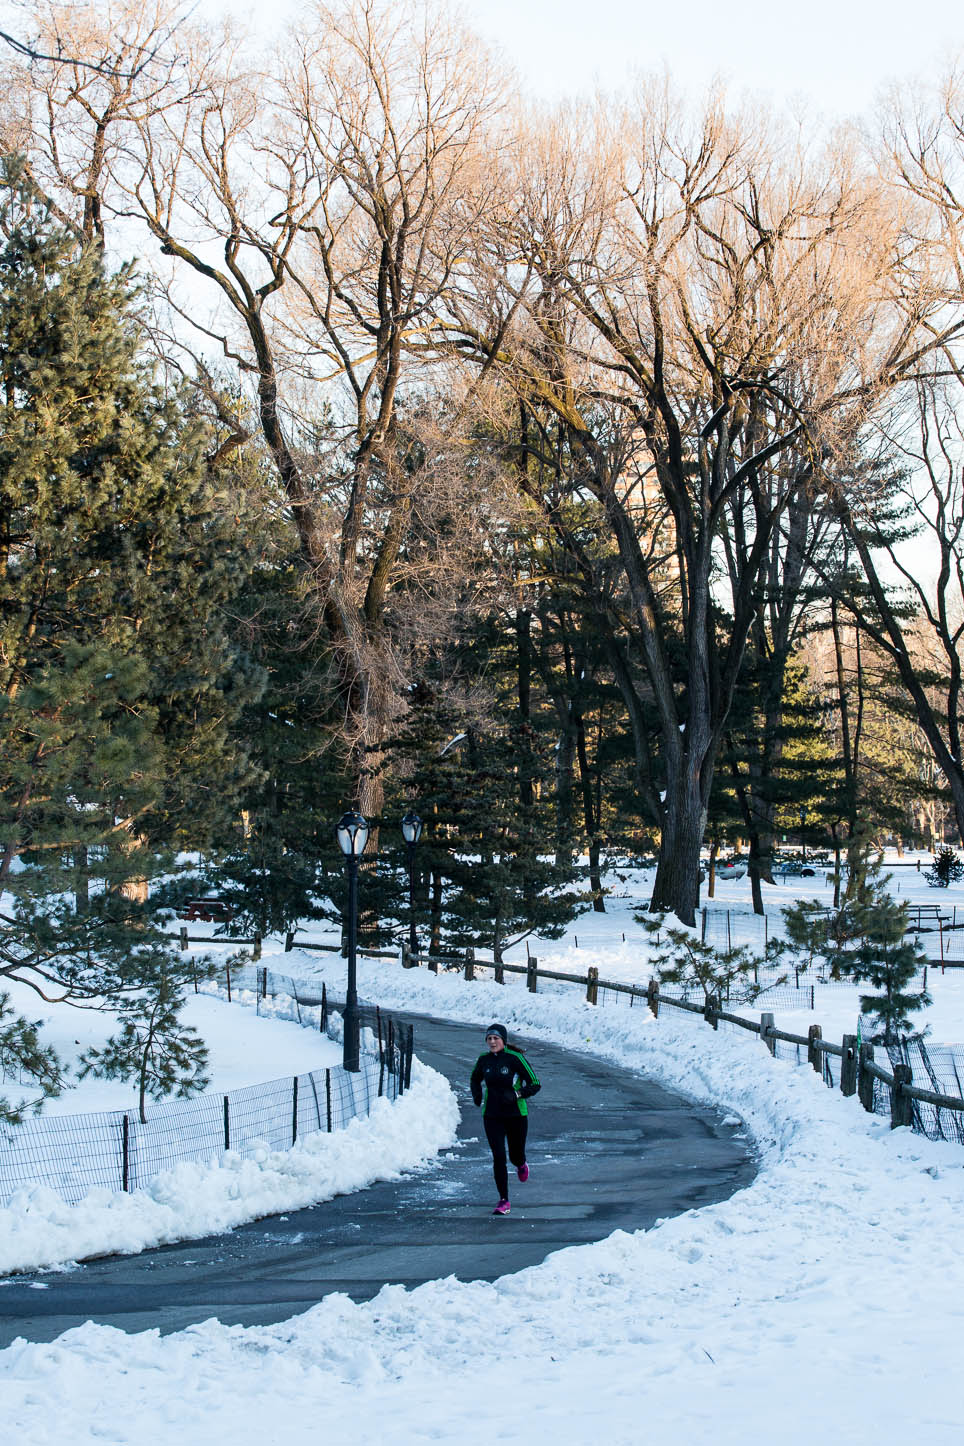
[(835, 54)]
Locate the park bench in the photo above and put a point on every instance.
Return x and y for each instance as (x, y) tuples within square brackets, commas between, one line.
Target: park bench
[(212, 911), (926, 917)]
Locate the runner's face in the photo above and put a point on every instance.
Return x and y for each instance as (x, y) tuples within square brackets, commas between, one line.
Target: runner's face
[(495, 1042)]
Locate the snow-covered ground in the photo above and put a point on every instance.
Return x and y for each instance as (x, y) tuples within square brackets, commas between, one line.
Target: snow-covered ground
[(242, 1048), (825, 1297)]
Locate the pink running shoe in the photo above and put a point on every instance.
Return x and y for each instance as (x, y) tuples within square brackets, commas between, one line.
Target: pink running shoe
[(502, 1208), (523, 1172)]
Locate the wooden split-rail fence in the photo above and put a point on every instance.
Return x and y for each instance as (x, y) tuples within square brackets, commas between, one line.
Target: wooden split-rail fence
[(858, 1066)]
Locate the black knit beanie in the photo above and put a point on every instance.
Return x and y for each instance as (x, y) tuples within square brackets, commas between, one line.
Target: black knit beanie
[(498, 1029)]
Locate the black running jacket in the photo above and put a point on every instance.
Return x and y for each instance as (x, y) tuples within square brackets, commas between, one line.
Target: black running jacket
[(501, 1083)]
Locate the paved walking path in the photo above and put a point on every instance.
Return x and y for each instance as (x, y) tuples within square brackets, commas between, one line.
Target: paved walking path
[(608, 1150)]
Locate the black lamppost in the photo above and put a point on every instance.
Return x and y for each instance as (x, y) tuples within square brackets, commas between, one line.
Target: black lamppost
[(411, 832), (803, 838), (352, 834)]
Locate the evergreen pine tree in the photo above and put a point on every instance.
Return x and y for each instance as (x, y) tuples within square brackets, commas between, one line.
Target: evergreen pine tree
[(946, 869), (488, 855), (121, 678), (276, 861), (678, 957), (24, 1058), (865, 940), (153, 1046)]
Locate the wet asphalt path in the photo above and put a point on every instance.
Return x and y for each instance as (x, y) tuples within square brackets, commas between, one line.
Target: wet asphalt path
[(607, 1149)]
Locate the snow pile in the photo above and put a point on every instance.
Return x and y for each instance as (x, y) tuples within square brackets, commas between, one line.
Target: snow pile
[(38, 1229)]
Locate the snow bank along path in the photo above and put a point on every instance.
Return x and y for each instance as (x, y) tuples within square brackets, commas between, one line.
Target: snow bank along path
[(825, 1296), (38, 1229)]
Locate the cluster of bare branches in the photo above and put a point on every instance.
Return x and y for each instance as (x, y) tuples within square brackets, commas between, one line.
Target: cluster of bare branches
[(688, 319)]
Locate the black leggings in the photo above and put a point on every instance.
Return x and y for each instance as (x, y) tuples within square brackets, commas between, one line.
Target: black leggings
[(501, 1131)]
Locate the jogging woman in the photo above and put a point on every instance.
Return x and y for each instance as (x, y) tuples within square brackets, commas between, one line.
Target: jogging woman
[(502, 1081)]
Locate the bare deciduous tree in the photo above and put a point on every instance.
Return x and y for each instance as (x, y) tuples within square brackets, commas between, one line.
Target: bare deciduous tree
[(313, 207), (731, 297)]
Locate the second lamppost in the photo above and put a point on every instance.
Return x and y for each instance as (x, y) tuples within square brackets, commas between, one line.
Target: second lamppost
[(352, 833), (411, 832)]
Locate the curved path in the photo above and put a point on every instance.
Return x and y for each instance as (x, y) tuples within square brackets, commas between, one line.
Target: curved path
[(608, 1151)]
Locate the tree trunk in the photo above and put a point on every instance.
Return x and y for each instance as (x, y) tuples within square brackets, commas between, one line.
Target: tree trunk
[(565, 756), (435, 913), (135, 889), (676, 887), (590, 817), (755, 870)]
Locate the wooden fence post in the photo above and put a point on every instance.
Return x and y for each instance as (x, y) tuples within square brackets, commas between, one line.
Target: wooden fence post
[(652, 997), (592, 985), (766, 1027), (848, 1065), (532, 974), (865, 1080), (183, 940), (470, 963), (901, 1104), (814, 1052)]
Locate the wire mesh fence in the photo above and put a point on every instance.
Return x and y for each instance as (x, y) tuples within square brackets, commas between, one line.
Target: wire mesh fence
[(116, 1150), (936, 1067)]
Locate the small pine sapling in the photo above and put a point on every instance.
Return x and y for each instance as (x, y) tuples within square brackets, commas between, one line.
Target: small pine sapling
[(24, 1058), (887, 959), (153, 1047), (866, 941), (946, 869), (679, 958)]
